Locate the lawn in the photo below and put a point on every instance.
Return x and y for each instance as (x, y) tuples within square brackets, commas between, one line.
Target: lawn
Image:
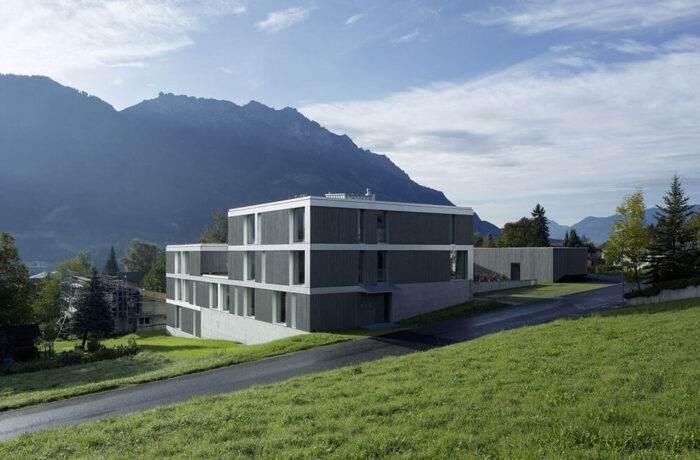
[(162, 357), (456, 311), (620, 384), (538, 292)]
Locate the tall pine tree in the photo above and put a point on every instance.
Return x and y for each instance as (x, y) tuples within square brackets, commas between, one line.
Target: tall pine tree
[(93, 315), (566, 240), (111, 266), (541, 226), (673, 251)]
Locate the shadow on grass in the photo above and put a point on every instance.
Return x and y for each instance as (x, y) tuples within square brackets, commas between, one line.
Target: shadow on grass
[(650, 309)]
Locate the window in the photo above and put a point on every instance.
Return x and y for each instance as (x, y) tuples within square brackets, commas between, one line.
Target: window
[(381, 226), (381, 266), (299, 269), (360, 225), (281, 308), (250, 265), (213, 295), (185, 263), (178, 261), (298, 224), (225, 297), (250, 229), (361, 267), (458, 265), (250, 302)]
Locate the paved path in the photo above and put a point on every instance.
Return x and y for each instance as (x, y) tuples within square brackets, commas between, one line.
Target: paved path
[(276, 369)]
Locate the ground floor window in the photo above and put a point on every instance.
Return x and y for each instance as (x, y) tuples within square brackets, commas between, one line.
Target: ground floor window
[(381, 266), (225, 297), (281, 307), (458, 265)]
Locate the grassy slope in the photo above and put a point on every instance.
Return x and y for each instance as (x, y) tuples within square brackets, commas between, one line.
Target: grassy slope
[(165, 357), (619, 384), (455, 311), (539, 291)]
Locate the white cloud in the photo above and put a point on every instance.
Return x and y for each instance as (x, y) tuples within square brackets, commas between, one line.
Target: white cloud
[(278, 20), (575, 140), (632, 47), (537, 16), (56, 37), (406, 38), (353, 19)]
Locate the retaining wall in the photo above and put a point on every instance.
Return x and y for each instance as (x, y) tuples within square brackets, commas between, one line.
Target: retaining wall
[(666, 295), (498, 285)]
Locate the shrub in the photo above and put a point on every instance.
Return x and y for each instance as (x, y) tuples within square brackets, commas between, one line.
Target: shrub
[(93, 346), (69, 357)]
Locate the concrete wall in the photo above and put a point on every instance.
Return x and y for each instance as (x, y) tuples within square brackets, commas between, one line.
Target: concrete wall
[(214, 262), (334, 225), (335, 268), (274, 227), (235, 230), (666, 295), (535, 263), (415, 299), (418, 266), (498, 285)]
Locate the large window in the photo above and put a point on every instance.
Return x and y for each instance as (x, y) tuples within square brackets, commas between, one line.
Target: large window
[(298, 224), (182, 262), (381, 226), (381, 266), (299, 267), (281, 308), (250, 265), (250, 302), (213, 295), (458, 265), (250, 229)]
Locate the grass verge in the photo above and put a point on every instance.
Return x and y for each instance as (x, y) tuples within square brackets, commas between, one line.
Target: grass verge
[(619, 384), (455, 311), (164, 357), (538, 292)]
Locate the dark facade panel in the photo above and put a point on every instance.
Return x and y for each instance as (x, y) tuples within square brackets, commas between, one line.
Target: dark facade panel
[(169, 262), (418, 228), (277, 267), (370, 226), (214, 262), (235, 265), (239, 308), (274, 227), (337, 311), (418, 266), (334, 225), (197, 323), (570, 262), (464, 229), (195, 263), (187, 320), (171, 315), (303, 311), (369, 265), (263, 305), (170, 288), (258, 266), (202, 294), (334, 268), (235, 230)]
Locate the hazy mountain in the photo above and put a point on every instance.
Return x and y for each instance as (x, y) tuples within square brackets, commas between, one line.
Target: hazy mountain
[(597, 228), (77, 174)]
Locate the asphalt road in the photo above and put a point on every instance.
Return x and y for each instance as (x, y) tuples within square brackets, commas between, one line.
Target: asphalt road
[(139, 397)]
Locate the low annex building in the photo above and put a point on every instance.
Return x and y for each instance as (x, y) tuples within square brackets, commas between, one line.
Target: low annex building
[(318, 264), (546, 265)]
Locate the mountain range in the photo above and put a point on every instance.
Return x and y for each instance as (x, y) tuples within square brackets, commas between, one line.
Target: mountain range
[(77, 174)]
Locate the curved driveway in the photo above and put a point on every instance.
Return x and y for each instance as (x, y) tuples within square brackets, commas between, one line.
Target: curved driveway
[(144, 396)]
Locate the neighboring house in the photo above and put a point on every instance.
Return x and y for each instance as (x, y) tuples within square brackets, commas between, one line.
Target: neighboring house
[(319, 264), (545, 265)]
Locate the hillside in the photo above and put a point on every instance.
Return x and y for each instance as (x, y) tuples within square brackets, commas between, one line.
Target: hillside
[(78, 174), (602, 386)]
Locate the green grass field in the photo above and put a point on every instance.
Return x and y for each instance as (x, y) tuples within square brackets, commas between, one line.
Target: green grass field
[(622, 384), (162, 357), (538, 292)]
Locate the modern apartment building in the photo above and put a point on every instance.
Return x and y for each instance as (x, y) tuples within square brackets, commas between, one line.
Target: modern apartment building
[(319, 264)]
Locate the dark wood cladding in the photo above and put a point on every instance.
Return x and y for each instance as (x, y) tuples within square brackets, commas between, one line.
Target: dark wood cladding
[(418, 266), (235, 230), (170, 288), (214, 262), (418, 228), (334, 268), (235, 265), (334, 225), (277, 267), (274, 227), (170, 262), (464, 229)]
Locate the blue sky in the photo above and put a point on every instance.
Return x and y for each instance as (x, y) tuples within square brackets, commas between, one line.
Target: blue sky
[(499, 104)]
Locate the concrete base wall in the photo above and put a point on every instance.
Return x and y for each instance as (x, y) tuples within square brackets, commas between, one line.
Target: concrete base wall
[(222, 325), (666, 295), (415, 299), (498, 285)]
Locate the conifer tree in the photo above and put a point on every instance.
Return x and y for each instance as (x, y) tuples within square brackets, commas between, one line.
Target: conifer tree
[(673, 251), (111, 266), (93, 315), (574, 240), (541, 226), (489, 241), (566, 240)]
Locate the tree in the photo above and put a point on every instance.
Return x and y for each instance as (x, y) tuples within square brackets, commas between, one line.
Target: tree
[(47, 304), (522, 233), (81, 265), (541, 226), (111, 266), (217, 232), (140, 255), (629, 237), (155, 278), (673, 251), (478, 240), (15, 289), (566, 240), (93, 316), (489, 241), (574, 240)]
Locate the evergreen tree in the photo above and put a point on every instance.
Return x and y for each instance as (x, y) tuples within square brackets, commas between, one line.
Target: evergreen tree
[(111, 266), (673, 252), (478, 240), (489, 241), (155, 278), (93, 315), (574, 240), (566, 240), (541, 226), (15, 290)]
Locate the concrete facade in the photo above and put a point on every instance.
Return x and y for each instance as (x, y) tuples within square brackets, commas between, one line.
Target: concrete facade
[(319, 264), (546, 265)]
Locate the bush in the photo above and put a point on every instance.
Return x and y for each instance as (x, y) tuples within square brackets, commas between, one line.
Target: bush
[(93, 346), (656, 289), (69, 357)]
